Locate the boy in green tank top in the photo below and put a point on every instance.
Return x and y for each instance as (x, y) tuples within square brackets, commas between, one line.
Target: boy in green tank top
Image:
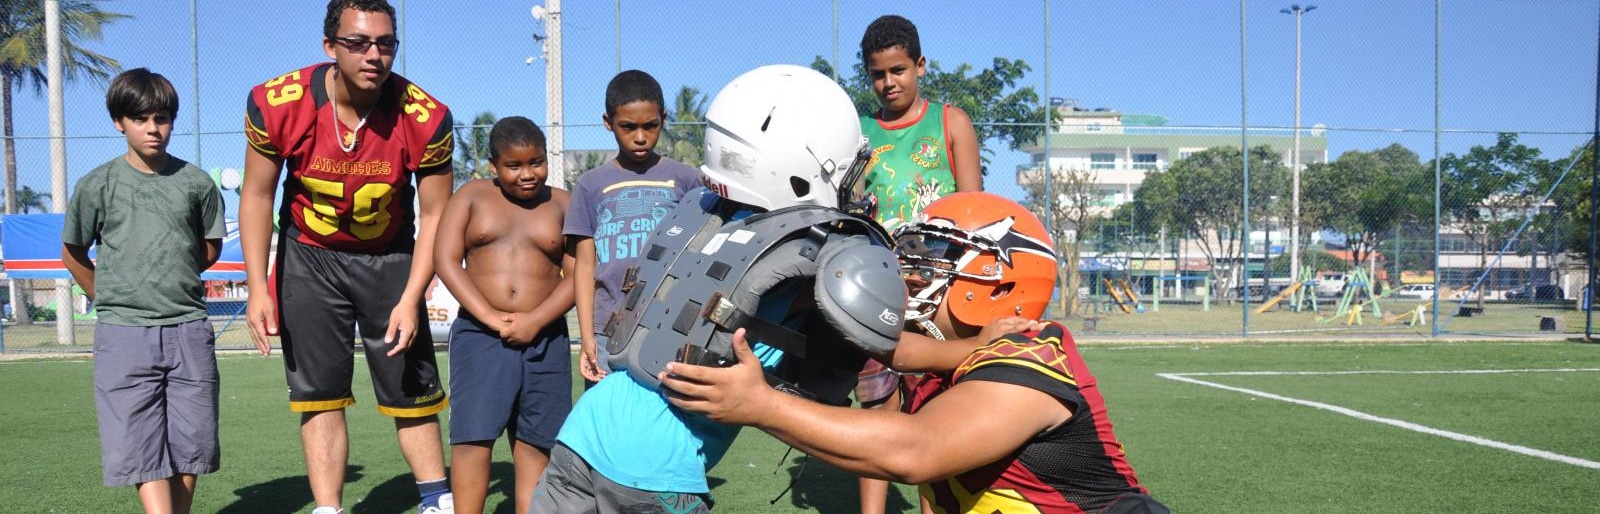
[(921, 151)]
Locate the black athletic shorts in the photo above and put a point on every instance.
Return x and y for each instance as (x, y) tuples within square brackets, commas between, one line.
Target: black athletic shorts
[(323, 297)]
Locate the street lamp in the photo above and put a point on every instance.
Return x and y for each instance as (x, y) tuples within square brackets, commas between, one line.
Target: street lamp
[(1294, 158), (550, 51)]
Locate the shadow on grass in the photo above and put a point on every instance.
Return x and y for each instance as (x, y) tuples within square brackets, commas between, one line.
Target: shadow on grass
[(284, 495), (396, 495), (502, 479), (823, 488)]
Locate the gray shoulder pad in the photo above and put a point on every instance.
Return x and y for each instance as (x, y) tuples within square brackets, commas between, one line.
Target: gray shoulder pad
[(860, 292)]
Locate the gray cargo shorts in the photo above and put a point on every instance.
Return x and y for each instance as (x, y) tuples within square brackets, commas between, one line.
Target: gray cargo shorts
[(570, 486), (155, 393)]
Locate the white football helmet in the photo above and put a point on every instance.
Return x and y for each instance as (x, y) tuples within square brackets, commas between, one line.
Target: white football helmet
[(784, 135)]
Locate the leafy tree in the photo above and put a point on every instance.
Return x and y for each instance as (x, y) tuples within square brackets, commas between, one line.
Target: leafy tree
[(22, 60), (1317, 259), (684, 137), (1569, 206), (1544, 224), (1201, 197), (472, 145), (29, 200), (581, 161), (1486, 188), (1367, 197), (999, 110), (1070, 215)]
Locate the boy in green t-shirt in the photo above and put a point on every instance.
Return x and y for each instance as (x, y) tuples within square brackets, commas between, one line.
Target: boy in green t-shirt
[(157, 222)]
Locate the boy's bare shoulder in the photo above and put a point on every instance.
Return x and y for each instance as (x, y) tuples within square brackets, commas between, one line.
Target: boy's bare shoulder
[(475, 188), (557, 200), (956, 114)]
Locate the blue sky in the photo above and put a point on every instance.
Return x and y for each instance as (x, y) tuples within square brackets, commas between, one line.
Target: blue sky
[(1509, 65)]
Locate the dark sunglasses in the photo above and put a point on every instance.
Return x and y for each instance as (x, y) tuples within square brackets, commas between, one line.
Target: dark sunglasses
[(360, 45)]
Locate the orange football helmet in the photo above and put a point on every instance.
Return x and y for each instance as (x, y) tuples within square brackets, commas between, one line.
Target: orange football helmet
[(985, 255)]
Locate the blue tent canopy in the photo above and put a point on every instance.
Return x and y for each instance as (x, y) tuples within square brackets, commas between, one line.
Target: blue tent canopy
[(30, 244)]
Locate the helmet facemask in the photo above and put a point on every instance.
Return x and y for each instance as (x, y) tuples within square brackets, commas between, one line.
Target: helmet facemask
[(979, 257), (851, 187), (937, 255)]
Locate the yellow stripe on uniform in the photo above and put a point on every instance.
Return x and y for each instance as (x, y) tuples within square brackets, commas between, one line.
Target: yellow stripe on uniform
[(414, 412), (258, 138), (1035, 365), (437, 152), (323, 405)]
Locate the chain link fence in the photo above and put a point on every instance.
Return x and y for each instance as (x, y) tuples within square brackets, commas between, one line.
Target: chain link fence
[(1424, 171)]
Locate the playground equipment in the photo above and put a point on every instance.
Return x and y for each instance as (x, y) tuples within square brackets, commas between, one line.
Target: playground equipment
[(1413, 317), (1122, 294), (1282, 295), (1301, 295), (1305, 296), (1355, 287)]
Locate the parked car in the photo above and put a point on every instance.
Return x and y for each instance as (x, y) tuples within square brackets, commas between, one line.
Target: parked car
[(1415, 291), (1544, 293), (1257, 292), (1331, 284)]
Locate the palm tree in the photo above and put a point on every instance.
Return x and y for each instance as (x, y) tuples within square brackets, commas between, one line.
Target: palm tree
[(581, 161), (22, 59), (29, 200), (685, 135), (472, 141)]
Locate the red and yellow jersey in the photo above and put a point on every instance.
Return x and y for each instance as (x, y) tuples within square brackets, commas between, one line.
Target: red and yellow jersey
[(1076, 467), (356, 201)]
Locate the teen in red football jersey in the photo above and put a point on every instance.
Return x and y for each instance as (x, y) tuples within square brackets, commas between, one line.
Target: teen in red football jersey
[(353, 137)]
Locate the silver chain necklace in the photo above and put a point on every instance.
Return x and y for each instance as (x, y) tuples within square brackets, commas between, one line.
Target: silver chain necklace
[(347, 142)]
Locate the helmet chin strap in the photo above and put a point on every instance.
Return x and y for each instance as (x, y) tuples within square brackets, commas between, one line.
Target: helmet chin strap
[(932, 295)]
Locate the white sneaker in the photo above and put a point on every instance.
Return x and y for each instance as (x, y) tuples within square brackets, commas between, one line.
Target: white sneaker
[(447, 505), (327, 510)]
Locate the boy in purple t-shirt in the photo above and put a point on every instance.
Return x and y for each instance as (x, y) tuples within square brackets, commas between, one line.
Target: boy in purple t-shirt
[(616, 205)]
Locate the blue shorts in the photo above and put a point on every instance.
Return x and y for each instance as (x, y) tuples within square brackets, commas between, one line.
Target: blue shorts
[(495, 387)]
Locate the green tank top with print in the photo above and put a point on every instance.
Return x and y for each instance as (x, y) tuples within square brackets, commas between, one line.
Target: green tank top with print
[(910, 165)]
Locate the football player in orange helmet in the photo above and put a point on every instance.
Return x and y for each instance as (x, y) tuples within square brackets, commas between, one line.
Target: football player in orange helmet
[(1031, 428)]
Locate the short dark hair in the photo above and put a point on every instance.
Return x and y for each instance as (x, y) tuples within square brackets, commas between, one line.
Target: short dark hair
[(513, 131), (330, 24), (889, 31), (632, 86), (139, 91)]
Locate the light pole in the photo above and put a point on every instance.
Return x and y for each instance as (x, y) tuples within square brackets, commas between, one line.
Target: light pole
[(1266, 261), (550, 50), (1294, 158)]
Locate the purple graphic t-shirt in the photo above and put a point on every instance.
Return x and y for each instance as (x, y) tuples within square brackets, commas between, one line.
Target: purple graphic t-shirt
[(619, 208)]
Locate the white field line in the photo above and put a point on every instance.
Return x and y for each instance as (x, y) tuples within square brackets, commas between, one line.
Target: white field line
[(1531, 452), (1225, 344), (1381, 372)]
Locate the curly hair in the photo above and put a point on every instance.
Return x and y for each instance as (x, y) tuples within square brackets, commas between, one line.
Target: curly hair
[(889, 31), (330, 24)]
